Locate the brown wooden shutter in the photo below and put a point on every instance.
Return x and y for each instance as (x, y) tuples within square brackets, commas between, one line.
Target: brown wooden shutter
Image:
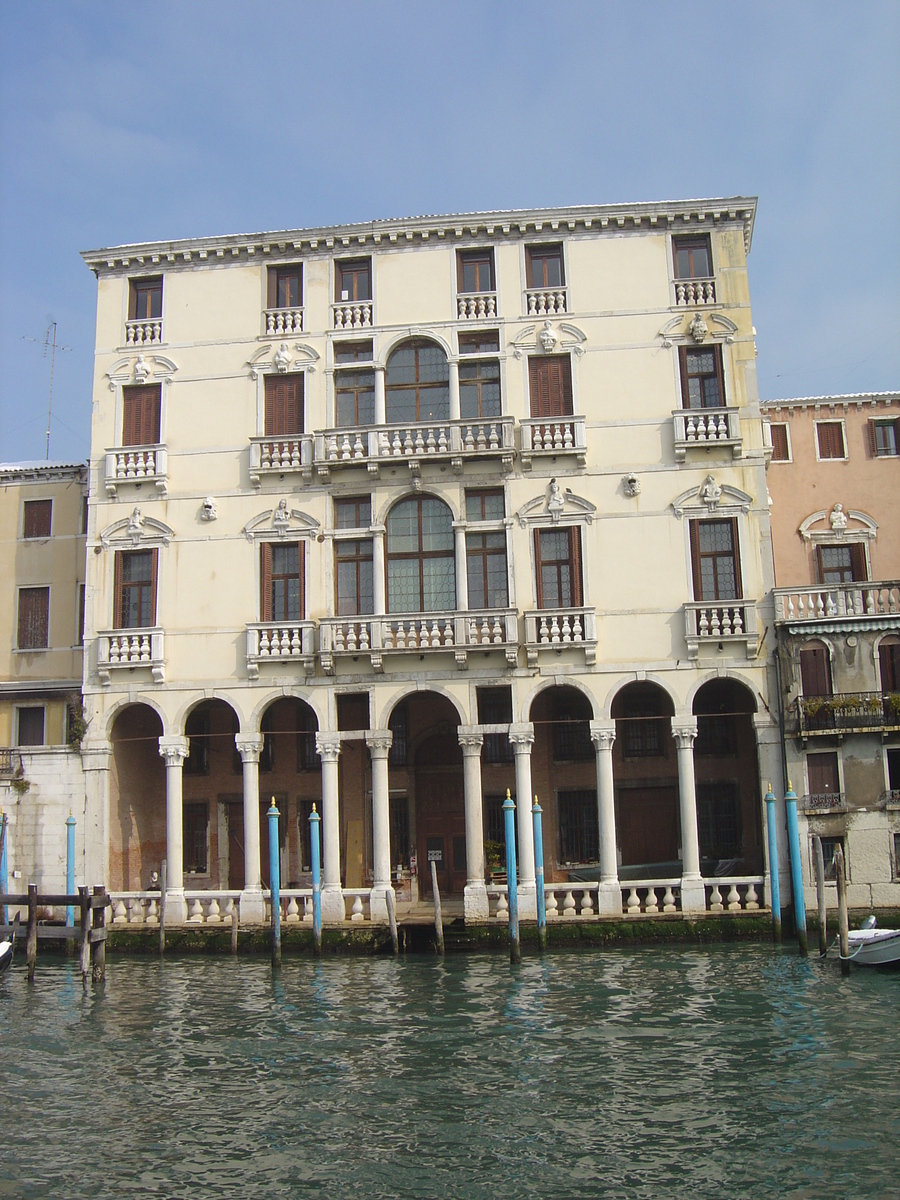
[(34, 614), (695, 560), (815, 671), (118, 616), (154, 566), (889, 661), (575, 558), (140, 418), (537, 566), (779, 443), (284, 405), (550, 382), (265, 574), (37, 518), (736, 554), (272, 288), (831, 439), (301, 560), (823, 773), (858, 561)]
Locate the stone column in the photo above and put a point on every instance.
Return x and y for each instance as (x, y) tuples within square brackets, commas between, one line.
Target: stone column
[(379, 743), (475, 901), (328, 747), (380, 407), (253, 906), (379, 575), (522, 738), (454, 389), (603, 735), (95, 762), (174, 750), (693, 894), (462, 574)]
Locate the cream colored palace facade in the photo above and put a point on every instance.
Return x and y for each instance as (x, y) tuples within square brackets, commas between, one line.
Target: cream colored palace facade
[(391, 517)]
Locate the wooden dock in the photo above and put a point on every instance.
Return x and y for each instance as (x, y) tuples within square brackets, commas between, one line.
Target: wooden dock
[(90, 929)]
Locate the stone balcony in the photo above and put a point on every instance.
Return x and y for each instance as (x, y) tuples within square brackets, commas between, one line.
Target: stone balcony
[(352, 316), (848, 712), (720, 623), (121, 650), (278, 456), (136, 465), (551, 438), (695, 291), (820, 803), (459, 633), (707, 429), (453, 441), (558, 629), (273, 643), (144, 333), (477, 306), (281, 322), (546, 302), (842, 607)]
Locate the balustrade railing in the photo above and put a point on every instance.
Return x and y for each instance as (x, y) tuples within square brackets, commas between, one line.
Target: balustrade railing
[(648, 897), (143, 333), (558, 628), (544, 438), (283, 321), (352, 316), (9, 761), (641, 897), (216, 906), (707, 427), (280, 455), (837, 602), (695, 291), (490, 437), (726, 621), (738, 893), (280, 641), (848, 712), (473, 307), (374, 636), (136, 464), (820, 802), (129, 648), (542, 302)]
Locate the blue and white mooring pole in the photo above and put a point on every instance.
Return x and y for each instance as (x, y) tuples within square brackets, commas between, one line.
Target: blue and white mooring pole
[(512, 894), (316, 863), (774, 882), (275, 883), (70, 866), (793, 830), (537, 815)]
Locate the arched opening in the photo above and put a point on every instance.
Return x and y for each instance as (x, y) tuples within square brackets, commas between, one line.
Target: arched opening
[(645, 775), (421, 567), (137, 799), (427, 802), (211, 783), (564, 778), (726, 772), (417, 383)]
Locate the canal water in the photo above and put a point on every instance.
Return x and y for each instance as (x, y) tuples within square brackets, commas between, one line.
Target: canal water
[(650, 1072)]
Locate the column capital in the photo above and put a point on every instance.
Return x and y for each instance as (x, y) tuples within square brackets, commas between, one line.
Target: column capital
[(521, 737), (471, 739), (379, 742), (684, 733), (328, 746), (603, 734), (249, 746), (174, 749)]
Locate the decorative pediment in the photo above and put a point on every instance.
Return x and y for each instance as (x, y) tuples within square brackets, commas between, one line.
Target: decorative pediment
[(548, 337), (838, 526), (555, 505), (281, 522), (282, 359), (136, 530), (140, 368), (696, 330), (712, 497)]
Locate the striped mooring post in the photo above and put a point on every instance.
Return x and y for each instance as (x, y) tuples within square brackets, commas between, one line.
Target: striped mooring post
[(275, 883), (790, 805), (537, 816), (315, 859), (774, 882), (512, 894)]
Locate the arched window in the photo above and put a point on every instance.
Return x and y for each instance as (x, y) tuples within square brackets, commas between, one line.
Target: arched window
[(417, 383), (421, 570)]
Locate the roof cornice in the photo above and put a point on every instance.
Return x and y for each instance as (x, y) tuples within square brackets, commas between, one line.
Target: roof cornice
[(34, 471), (850, 400), (350, 239)]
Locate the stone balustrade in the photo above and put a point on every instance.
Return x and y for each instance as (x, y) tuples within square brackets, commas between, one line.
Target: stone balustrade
[(419, 633), (291, 642), (474, 307), (707, 428), (143, 333), (214, 907), (125, 649), (352, 316), (738, 893), (558, 629), (843, 602), (280, 456), (695, 291), (731, 621), (542, 439), (283, 321), (136, 465), (545, 302), (453, 440), (647, 897)]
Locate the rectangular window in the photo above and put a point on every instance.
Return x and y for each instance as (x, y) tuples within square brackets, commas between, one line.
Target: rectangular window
[(544, 266), (893, 766), (897, 855), (196, 832), (495, 708), (353, 280), (640, 731), (141, 415), (30, 726), (571, 733), (485, 504), (550, 383), (399, 816), (34, 618), (781, 448), (719, 820), (822, 771), (37, 518), (284, 405), (558, 561), (475, 270), (495, 825), (353, 352), (702, 382), (399, 727), (829, 848), (889, 666), (354, 578), (715, 562), (487, 341), (282, 581), (354, 398), (145, 299), (842, 563), (353, 711), (830, 439), (486, 570), (815, 671), (579, 836), (285, 286), (307, 755), (479, 390), (692, 257), (135, 589), (716, 736), (197, 731), (353, 512), (884, 438)]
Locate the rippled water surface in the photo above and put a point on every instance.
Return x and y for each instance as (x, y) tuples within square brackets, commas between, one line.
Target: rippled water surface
[(712, 1072)]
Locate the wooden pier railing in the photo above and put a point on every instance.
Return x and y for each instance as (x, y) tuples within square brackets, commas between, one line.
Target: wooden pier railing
[(90, 930)]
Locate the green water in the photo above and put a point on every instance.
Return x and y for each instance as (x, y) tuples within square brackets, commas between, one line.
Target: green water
[(715, 1072)]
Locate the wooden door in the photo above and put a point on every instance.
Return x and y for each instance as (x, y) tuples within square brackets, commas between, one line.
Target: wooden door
[(441, 829), (234, 815), (648, 825)]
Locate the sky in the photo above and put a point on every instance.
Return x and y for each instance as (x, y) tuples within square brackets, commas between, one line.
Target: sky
[(125, 121)]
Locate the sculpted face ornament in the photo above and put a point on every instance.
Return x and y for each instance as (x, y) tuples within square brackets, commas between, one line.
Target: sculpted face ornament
[(631, 485), (698, 329), (547, 338), (209, 509)]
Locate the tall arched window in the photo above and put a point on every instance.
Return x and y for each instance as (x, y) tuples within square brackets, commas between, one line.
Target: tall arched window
[(421, 570), (417, 383)]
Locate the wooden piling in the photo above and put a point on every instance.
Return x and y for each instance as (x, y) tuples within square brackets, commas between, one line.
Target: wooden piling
[(85, 903), (235, 924), (843, 915), (438, 920), (162, 908), (31, 936), (98, 935), (820, 895), (392, 920)]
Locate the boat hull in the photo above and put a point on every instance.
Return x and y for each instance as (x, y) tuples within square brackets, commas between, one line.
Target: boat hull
[(875, 947)]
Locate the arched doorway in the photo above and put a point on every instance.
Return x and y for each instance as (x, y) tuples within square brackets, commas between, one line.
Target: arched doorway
[(211, 784), (645, 775), (564, 778), (137, 801), (726, 769)]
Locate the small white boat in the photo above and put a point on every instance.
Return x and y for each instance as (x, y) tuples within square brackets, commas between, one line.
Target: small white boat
[(873, 947), (6, 954)]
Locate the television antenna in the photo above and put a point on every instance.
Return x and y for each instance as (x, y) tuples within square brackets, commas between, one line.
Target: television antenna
[(50, 347)]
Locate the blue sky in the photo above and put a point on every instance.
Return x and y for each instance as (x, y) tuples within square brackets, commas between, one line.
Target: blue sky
[(123, 121)]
